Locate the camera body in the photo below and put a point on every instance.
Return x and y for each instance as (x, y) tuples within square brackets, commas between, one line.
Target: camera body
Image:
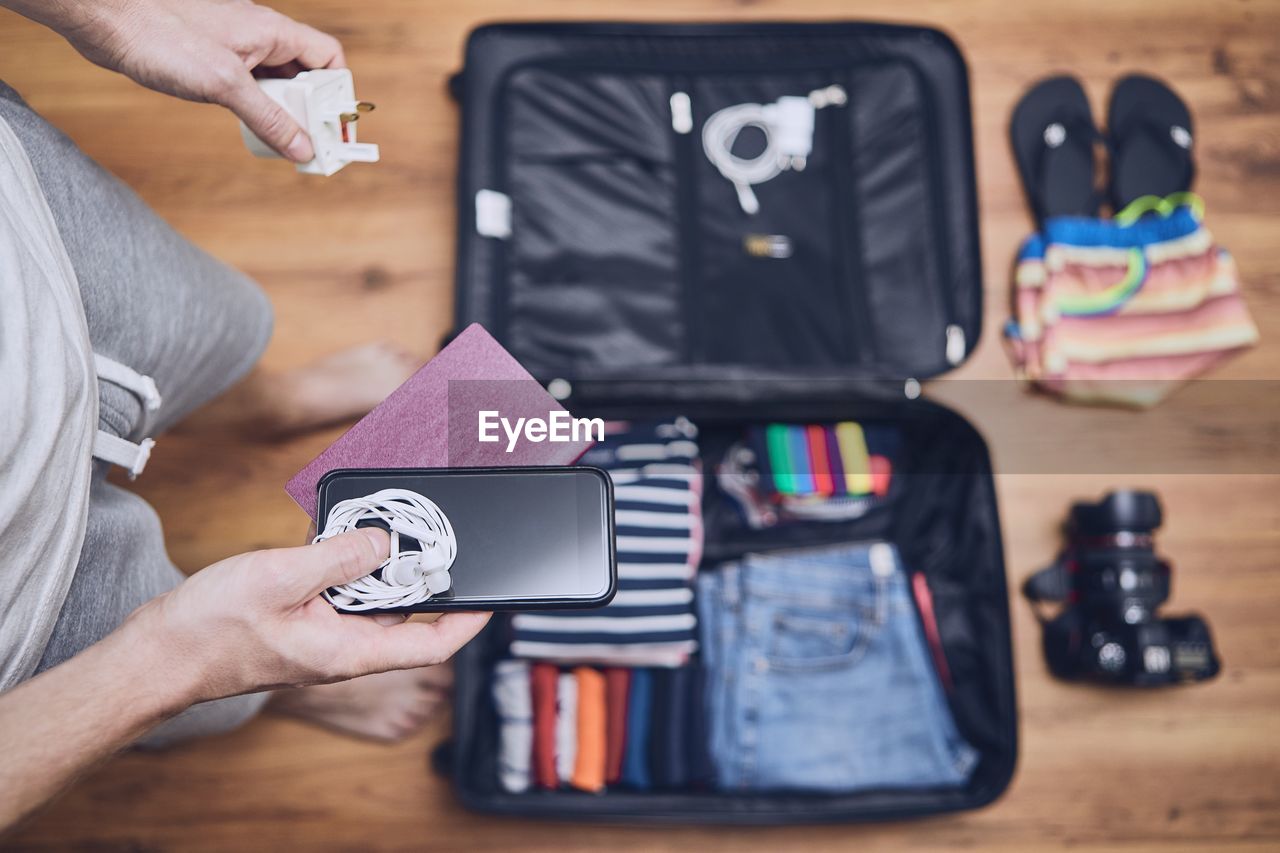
[(1113, 583)]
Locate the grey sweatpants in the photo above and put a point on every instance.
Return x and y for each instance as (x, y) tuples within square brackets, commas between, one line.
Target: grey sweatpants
[(160, 305)]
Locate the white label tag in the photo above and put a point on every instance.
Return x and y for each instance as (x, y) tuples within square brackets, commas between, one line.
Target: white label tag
[(493, 214), (882, 560)]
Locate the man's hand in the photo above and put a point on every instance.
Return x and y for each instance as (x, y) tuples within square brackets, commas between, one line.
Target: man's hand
[(248, 623), (200, 50), (256, 621)]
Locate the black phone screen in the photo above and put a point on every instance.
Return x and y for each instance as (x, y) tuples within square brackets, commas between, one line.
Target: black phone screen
[(526, 536)]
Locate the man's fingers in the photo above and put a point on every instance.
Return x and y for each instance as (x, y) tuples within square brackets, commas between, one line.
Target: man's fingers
[(267, 119), (307, 46), (339, 560), (416, 644)]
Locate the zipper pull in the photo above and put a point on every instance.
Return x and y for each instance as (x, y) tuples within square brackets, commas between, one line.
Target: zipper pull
[(559, 388), (681, 112), (955, 344)]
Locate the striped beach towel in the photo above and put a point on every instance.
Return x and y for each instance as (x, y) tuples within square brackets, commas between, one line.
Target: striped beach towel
[(1125, 310), (657, 483)]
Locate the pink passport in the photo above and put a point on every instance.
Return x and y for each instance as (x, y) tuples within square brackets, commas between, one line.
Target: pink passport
[(432, 420)]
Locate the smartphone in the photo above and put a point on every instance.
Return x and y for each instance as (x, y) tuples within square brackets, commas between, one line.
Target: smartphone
[(527, 538)]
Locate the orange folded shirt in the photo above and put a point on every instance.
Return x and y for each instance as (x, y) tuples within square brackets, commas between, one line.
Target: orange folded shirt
[(589, 766)]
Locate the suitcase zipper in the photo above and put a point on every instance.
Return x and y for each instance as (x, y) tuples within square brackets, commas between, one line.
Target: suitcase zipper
[(682, 138), (954, 344), (847, 234)]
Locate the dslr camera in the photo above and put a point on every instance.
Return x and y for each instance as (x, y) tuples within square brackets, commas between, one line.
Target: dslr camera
[(1111, 583)]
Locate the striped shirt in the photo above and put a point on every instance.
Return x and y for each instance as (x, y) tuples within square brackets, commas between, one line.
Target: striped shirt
[(657, 494)]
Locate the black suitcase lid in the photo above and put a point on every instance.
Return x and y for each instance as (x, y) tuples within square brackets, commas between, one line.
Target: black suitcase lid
[(613, 250)]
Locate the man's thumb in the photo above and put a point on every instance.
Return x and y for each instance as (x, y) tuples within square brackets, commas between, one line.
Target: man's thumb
[(268, 120), (344, 558)]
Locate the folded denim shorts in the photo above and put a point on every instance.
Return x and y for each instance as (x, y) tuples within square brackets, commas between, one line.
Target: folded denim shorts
[(818, 677)]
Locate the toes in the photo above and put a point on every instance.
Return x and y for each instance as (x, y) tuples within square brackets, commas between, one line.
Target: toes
[(387, 731), (407, 724), (433, 698)]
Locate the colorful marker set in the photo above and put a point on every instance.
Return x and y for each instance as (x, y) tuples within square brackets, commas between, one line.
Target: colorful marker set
[(824, 460)]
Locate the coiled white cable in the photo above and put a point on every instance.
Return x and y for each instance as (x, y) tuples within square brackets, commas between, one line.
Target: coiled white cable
[(407, 577), (787, 125), (718, 136)]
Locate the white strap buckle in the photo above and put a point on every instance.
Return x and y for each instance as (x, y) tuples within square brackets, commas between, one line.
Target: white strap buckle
[(119, 451), (129, 379)]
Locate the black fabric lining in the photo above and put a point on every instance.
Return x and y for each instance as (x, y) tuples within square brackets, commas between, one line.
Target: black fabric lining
[(665, 304)]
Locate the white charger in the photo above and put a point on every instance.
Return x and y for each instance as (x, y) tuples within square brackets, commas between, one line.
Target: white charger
[(323, 103), (787, 125)]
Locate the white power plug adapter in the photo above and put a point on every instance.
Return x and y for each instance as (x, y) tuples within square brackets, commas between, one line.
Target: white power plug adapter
[(790, 120), (323, 103)]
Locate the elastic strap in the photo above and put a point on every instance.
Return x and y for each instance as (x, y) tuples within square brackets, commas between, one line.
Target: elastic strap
[(120, 451), (129, 379), (1165, 207), (112, 448)]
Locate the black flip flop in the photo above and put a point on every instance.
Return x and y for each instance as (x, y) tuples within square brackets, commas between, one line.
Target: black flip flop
[(1053, 138), (1151, 138)]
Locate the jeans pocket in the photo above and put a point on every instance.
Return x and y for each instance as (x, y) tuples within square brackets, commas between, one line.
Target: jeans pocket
[(811, 642)]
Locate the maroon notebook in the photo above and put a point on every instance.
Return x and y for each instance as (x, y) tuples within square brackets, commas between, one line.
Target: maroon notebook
[(431, 421)]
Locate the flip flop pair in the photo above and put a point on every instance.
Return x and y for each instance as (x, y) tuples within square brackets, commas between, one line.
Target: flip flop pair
[(1149, 137)]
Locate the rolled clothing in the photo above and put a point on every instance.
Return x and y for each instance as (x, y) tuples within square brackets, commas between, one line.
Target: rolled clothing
[(669, 755), (544, 680), (589, 763), (617, 682), (678, 756), (566, 726), (635, 760), (513, 702), (160, 305)]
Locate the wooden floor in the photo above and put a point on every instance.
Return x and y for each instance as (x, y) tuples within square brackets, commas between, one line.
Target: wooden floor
[(368, 254)]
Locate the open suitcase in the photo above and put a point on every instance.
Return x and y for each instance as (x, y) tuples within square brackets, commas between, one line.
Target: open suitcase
[(605, 250)]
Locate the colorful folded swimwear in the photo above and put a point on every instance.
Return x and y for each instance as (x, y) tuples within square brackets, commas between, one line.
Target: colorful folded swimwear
[(1125, 310), (651, 621), (809, 472), (824, 460)]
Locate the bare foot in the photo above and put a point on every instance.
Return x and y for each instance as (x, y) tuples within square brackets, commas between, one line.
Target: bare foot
[(386, 706), (341, 386), (332, 389)]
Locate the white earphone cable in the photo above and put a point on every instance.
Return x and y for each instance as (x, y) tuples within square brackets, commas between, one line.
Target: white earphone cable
[(406, 577), (787, 125)]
